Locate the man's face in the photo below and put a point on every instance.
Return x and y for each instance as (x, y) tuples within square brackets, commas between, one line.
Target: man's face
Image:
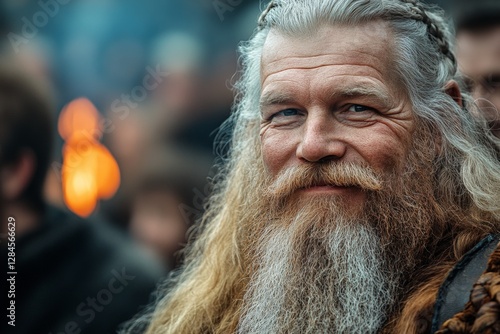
[(478, 54), (348, 209), (333, 96)]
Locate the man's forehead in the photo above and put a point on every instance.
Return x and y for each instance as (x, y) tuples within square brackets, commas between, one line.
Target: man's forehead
[(368, 38), (479, 54), (360, 50)]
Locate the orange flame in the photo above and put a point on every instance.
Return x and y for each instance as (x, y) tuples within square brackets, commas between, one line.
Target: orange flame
[(89, 171)]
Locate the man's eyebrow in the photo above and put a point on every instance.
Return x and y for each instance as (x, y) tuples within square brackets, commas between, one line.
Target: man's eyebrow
[(363, 91), (276, 98), (273, 98)]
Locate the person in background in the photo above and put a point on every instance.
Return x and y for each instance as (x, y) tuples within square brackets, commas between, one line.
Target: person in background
[(478, 54), (193, 100), (73, 275), (167, 200)]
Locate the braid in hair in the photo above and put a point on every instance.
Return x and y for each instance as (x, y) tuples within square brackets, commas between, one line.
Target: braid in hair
[(262, 18), (435, 32), (482, 313)]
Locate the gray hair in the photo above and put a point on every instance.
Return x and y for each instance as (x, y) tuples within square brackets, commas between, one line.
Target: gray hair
[(468, 155)]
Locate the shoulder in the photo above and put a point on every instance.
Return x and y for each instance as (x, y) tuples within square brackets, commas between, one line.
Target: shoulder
[(480, 312)]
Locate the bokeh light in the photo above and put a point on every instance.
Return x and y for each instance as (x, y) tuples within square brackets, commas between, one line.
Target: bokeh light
[(89, 172)]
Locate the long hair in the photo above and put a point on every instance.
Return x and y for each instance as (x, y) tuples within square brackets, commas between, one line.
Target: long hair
[(207, 295)]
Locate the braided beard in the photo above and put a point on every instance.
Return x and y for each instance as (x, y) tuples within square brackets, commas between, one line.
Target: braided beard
[(321, 266)]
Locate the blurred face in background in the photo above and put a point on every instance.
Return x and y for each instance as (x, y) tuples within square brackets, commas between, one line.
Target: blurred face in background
[(181, 90), (478, 53), (158, 224)]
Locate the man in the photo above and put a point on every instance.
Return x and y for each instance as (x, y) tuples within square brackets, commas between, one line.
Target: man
[(357, 179), (478, 54), (64, 274)]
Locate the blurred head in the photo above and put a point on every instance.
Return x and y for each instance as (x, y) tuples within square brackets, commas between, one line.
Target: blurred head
[(158, 224), (352, 159), (478, 54), (181, 56), (163, 207), (25, 137)]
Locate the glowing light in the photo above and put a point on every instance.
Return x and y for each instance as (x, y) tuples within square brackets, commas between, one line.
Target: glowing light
[(89, 171), (80, 192), (79, 118)]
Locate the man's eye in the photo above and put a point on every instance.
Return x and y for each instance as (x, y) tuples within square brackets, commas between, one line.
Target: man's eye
[(358, 108), (287, 117), (492, 81), (288, 112)]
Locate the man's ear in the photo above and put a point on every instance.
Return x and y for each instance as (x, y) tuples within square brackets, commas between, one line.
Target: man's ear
[(452, 89), (16, 176)]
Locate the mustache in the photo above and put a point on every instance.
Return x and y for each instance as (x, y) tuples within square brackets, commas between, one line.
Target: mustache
[(339, 174)]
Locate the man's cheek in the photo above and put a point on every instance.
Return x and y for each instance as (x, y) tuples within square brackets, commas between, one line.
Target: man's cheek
[(386, 158), (270, 163), (275, 152)]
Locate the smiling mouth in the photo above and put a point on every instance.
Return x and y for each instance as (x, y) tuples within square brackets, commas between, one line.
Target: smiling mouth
[(328, 188)]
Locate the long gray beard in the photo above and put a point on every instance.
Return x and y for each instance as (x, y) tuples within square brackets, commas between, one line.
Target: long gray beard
[(329, 277)]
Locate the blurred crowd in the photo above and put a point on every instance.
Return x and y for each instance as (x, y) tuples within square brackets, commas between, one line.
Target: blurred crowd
[(159, 75), (156, 77)]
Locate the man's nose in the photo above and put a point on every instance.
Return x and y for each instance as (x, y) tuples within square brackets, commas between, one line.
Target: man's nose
[(320, 139)]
